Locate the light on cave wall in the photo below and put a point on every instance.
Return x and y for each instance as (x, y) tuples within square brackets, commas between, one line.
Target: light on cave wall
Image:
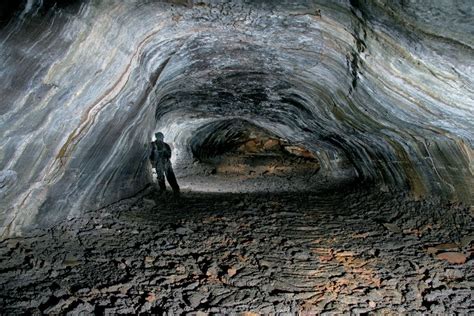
[(177, 134)]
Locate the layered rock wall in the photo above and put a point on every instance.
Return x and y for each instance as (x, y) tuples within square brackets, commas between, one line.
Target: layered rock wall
[(383, 88)]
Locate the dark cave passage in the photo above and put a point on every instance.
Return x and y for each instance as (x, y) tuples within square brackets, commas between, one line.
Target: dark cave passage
[(324, 152), (234, 155)]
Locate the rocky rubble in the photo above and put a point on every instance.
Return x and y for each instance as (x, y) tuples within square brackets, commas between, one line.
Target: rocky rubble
[(256, 253)]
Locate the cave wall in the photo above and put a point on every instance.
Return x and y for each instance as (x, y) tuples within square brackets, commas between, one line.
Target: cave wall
[(381, 88)]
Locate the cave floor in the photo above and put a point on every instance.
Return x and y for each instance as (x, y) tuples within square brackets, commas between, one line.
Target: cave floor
[(260, 253)]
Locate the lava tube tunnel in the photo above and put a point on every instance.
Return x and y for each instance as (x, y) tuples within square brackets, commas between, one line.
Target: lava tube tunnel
[(225, 157)]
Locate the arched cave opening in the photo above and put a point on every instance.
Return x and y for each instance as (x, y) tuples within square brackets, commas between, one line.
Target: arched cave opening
[(237, 156)]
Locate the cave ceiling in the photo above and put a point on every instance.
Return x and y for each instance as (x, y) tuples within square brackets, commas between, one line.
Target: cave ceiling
[(381, 92)]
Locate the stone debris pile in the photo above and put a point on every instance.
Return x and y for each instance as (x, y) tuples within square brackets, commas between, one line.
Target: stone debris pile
[(228, 253)]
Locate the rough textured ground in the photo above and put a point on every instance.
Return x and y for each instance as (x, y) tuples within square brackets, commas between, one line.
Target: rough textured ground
[(229, 253)]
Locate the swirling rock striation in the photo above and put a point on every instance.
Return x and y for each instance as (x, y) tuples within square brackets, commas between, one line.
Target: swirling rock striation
[(380, 92)]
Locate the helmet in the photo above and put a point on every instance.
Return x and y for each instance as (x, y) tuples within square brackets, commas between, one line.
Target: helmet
[(159, 136)]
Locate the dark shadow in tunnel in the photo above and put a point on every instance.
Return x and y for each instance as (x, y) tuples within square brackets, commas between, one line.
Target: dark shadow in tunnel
[(9, 10), (219, 137)]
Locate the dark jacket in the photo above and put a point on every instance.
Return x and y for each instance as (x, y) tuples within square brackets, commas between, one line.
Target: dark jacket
[(159, 151)]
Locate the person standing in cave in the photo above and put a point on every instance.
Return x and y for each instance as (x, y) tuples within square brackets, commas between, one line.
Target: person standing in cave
[(160, 159)]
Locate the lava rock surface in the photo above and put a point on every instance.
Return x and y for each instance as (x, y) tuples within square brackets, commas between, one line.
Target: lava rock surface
[(257, 253)]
